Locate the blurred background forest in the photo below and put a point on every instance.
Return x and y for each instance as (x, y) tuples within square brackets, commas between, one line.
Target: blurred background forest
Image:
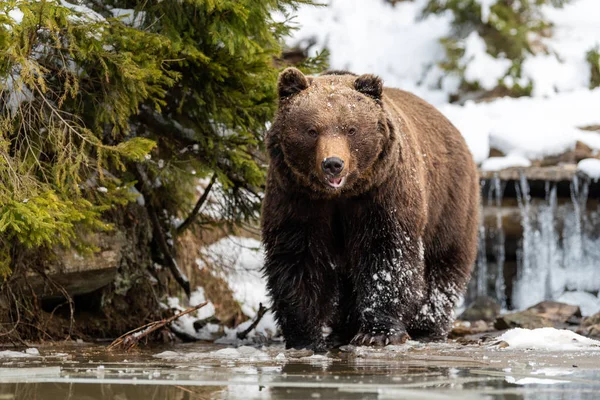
[(132, 164)]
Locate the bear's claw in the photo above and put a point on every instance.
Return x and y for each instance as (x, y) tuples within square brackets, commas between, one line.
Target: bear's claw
[(380, 339)]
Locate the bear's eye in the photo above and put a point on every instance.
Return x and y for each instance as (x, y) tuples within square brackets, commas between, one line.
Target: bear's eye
[(352, 131), (313, 132)]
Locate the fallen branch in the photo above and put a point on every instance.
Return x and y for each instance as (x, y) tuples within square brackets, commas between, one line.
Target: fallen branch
[(130, 339), (262, 310)]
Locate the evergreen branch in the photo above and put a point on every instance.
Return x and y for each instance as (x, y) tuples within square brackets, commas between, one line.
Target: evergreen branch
[(190, 219)]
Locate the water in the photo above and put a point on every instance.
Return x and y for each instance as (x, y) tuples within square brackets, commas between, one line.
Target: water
[(207, 371)]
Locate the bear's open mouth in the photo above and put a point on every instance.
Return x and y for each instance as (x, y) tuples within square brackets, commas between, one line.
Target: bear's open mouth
[(336, 182)]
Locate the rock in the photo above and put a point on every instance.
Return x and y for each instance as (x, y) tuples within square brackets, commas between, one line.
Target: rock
[(464, 328), (590, 326), (555, 311), (483, 308), (494, 152), (541, 315), (592, 320), (524, 319)]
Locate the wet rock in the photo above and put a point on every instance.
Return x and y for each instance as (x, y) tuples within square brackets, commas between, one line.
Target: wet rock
[(541, 315), (483, 308)]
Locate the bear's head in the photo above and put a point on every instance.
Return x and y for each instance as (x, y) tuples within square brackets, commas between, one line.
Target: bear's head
[(330, 131)]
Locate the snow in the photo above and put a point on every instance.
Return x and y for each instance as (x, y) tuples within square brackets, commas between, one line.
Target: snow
[(499, 163), (482, 67), (242, 260), (529, 127), (407, 49), (238, 261), (16, 15), (549, 339), (587, 302), (129, 17), (590, 167), (486, 6)]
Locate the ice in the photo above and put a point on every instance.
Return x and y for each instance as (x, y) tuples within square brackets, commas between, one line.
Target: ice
[(29, 372), (533, 381), (590, 167), (29, 353), (241, 354), (551, 261), (550, 339)]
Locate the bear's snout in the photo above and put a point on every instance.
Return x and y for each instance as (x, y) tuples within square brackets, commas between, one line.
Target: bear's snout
[(332, 166), (333, 159)]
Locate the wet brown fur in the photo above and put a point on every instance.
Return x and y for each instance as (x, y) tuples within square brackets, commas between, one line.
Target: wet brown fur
[(392, 250)]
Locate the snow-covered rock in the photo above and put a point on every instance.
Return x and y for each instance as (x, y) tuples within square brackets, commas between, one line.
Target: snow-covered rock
[(590, 167)]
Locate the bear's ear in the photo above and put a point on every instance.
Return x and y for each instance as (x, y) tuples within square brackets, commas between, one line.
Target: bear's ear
[(370, 85), (291, 81)]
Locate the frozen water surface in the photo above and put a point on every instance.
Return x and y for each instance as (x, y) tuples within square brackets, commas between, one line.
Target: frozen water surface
[(208, 371)]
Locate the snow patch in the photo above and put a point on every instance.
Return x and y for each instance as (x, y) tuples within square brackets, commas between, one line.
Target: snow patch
[(480, 65), (550, 339), (185, 324), (500, 163)]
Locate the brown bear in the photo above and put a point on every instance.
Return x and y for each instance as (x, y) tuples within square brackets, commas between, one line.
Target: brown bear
[(370, 213)]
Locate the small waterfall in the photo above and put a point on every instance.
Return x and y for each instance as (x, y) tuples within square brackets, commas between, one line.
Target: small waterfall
[(523, 293), (499, 241), (555, 250)]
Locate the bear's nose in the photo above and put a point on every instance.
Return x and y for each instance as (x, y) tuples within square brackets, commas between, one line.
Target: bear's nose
[(332, 165)]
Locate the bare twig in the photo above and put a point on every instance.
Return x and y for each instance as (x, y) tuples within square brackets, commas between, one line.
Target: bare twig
[(190, 219), (261, 312), (132, 338)]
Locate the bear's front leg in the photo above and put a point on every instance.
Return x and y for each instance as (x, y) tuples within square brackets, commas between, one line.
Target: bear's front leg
[(389, 280), (301, 282)]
